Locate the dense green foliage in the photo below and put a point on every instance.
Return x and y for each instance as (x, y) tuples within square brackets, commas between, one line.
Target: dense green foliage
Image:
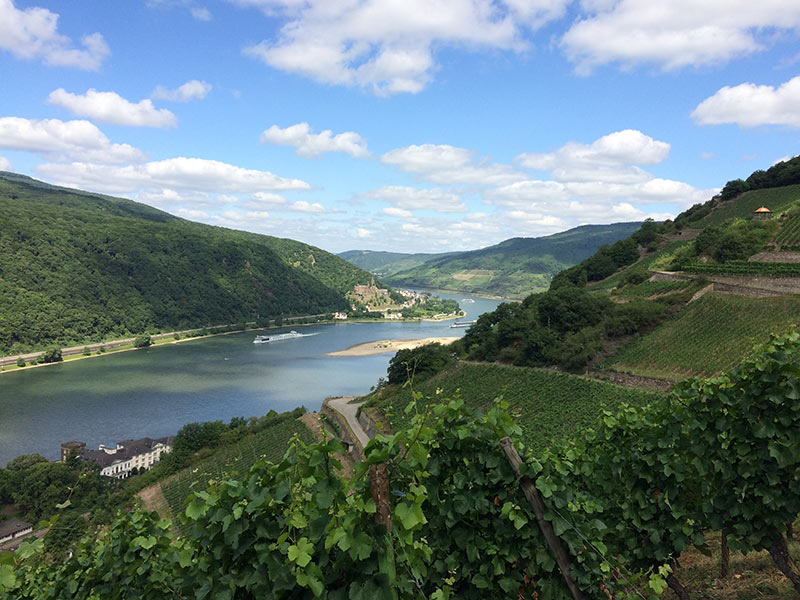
[(547, 405), (708, 336), (516, 267), (432, 306), (716, 212), (269, 441), (419, 363), (743, 267), (436, 511), (565, 326), (78, 267)]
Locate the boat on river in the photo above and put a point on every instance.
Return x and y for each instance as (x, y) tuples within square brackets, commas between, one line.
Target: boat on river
[(265, 339)]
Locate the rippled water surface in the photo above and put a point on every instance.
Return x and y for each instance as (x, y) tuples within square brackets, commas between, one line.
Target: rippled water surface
[(154, 392)]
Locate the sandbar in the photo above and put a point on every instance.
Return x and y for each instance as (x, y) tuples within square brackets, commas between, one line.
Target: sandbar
[(381, 346)]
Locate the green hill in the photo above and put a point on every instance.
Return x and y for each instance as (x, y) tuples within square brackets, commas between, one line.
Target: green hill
[(77, 267), (513, 268), (387, 263)]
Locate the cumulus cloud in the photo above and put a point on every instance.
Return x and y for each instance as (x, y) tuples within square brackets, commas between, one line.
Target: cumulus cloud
[(610, 158), (408, 199), (5, 164), (674, 33), (750, 105), (307, 207), (110, 107), (393, 211), (312, 145), (64, 140), (363, 233), (32, 34), (385, 45), (448, 165), (191, 90), (175, 173), (268, 198)]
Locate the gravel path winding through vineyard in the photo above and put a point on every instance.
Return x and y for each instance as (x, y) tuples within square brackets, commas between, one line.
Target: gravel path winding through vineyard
[(348, 411)]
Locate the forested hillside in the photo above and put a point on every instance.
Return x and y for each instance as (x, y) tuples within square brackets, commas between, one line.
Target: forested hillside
[(78, 267), (513, 268), (610, 312)]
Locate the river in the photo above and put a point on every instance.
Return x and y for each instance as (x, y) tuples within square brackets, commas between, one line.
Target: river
[(155, 391)]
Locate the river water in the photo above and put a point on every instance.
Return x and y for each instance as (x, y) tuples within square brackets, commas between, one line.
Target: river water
[(154, 392)]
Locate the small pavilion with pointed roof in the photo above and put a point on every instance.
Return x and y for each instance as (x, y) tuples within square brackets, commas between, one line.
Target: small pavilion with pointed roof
[(762, 213)]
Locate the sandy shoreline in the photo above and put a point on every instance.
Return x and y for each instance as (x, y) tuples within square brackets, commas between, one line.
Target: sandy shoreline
[(381, 346)]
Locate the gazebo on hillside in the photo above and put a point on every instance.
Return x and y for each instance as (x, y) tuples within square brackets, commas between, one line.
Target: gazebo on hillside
[(762, 213)]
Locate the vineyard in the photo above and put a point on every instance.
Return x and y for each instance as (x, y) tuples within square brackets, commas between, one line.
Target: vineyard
[(649, 289), (456, 507), (546, 404), (708, 336), (776, 199), (271, 443), (743, 267), (789, 235)]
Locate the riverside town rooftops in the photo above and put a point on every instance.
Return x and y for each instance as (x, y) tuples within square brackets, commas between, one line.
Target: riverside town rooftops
[(118, 461)]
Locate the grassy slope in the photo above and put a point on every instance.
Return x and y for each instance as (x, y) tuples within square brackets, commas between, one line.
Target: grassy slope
[(271, 443), (548, 404), (710, 335), (516, 267)]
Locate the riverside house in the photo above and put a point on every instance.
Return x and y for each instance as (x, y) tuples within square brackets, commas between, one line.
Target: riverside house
[(120, 460)]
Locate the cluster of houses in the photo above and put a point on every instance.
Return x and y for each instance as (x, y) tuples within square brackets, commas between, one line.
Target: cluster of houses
[(120, 461)]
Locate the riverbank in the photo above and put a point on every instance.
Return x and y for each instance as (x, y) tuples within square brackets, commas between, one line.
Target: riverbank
[(382, 346)]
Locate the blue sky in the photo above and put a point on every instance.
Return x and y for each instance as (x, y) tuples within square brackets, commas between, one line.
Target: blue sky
[(405, 125)]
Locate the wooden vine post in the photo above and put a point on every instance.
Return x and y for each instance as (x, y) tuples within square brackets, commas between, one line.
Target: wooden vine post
[(532, 494), (380, 487)]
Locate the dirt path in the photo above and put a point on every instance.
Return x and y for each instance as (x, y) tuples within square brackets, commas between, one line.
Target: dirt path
[(153, 499), (348, 411), (311, 420)]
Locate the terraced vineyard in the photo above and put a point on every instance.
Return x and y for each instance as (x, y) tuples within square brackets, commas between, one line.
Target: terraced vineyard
[(270, 443), (708, 336), (775, 199), (743, 267), (548, 404), (789, 235), (650, 289)]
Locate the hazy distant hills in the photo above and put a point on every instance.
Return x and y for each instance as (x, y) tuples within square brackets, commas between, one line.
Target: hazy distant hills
[(78, 267), (513, 268)]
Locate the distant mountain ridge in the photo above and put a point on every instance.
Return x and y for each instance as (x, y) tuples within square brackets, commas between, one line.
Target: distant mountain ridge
[(513, 268), (77, 267)]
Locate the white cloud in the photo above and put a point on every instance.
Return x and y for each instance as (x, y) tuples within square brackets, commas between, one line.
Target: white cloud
[(387, 45), (674, 33), (200, 13), (64, 140), (609, 158), (5, 164), (707, 155), (110, 107), (191, 90), (307, 207), (749, 105), (311, 145), (408, 199), (268, 198), (780, 160), (181, 173), (363, 233), (397, 212), (448, 165), (33, 34)]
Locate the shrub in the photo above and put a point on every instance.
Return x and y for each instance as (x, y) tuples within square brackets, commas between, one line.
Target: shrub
[(142, 341), (20, 362)]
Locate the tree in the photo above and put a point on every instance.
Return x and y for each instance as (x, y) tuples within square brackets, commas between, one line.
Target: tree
[(420, 363), (20, 362), (142, 341)]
